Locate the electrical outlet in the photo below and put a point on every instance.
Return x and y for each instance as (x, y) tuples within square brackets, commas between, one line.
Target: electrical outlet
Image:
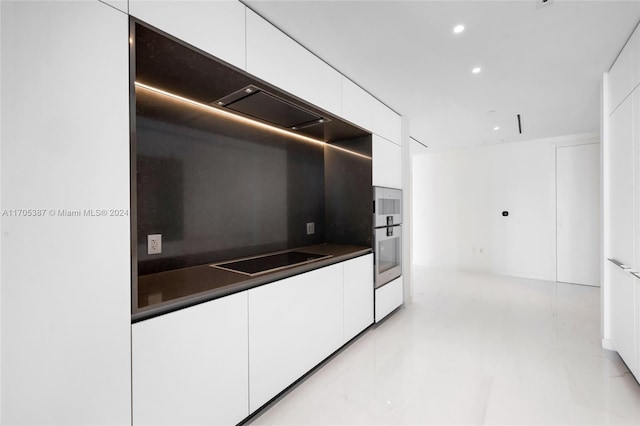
[(311, 228), (154, 244)]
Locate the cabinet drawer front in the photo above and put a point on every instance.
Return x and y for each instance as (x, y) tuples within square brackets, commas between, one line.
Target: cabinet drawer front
[(389, 297), (293, 325), (358, 295), (190, 367)]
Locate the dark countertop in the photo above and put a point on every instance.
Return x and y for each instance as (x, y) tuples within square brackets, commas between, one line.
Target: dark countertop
[(172, 290)]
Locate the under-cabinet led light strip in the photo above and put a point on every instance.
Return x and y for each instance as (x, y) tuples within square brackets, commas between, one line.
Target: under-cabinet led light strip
[(246, 120)]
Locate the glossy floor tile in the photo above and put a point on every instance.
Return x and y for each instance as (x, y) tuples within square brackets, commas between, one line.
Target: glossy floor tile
[(473, 349)]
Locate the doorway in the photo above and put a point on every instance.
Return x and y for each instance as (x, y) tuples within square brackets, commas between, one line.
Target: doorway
[(578, 214)]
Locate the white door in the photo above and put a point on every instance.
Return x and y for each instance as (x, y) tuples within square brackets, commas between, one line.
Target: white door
[(578, 214)]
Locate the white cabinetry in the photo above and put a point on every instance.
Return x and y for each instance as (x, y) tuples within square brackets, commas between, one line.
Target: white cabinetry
[(387, 123), (636, 373), (621, 192), (190, 367), (357, 104), (216, 27), (279, 60), (624, 75), (388, 298), (358, 295), (386, 163), (623, 333), (219, 361), (122, 5), (622, 182), (364, 110), (293, 325), (65, 145)]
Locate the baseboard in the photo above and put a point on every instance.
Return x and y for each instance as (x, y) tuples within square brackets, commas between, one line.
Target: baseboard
[(508, 273), (606, 344)]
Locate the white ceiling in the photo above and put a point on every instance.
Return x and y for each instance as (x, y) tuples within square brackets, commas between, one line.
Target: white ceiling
[(544, 63)]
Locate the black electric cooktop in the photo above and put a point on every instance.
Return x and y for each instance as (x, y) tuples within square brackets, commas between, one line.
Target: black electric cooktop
[(270, 263)]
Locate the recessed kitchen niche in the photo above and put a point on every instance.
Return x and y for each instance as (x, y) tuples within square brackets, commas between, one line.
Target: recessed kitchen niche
[(226, 166)]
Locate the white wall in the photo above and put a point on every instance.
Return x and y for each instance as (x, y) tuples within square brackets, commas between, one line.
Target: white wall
[(459, 197)]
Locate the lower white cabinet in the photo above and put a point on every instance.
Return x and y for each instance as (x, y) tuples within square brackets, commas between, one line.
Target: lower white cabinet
[(293, 325), (190, 367), (217, 362), (358, 295), (636, 369), (623, 323), (388, 298)]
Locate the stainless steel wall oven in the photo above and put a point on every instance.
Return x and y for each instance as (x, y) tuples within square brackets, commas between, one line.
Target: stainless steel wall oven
[(387, 234)]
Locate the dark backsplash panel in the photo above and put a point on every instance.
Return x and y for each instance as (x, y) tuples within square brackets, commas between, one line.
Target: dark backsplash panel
[(218, 189), (348, 193)]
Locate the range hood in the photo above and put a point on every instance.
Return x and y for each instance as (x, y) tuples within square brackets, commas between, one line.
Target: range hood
[(259, 103)]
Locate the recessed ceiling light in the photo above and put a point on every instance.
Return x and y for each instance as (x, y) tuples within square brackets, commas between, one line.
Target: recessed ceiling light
[(496, 128), (458, 29), (476, 70)]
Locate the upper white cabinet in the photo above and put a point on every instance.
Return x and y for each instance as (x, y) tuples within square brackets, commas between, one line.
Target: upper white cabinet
[(387, 123), (293, 325), (122, 5), (279, 60), (358, 295), (190, 367), (357, 104), (216, 27), (386, 163), (66, 311), (625, 72)]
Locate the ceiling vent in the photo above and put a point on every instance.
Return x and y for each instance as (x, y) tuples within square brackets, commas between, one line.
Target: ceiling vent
[(519, 124)]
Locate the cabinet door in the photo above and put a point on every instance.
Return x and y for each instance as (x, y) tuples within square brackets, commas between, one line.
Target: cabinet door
[(388, 297), (623, 332), (387, 123), (293, 325), (357, 104), (636, 370), (625, 72), (358, 295), (578, 214), (279, 60), (66, 316), (387, 163), (122, 5), (621, 192), (190, 367), (216, 27)]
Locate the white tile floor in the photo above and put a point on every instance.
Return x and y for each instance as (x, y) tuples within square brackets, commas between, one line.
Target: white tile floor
[(473, 349)]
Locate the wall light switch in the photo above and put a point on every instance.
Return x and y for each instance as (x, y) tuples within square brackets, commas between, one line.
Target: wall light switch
[(154, 244), (311, 228)]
